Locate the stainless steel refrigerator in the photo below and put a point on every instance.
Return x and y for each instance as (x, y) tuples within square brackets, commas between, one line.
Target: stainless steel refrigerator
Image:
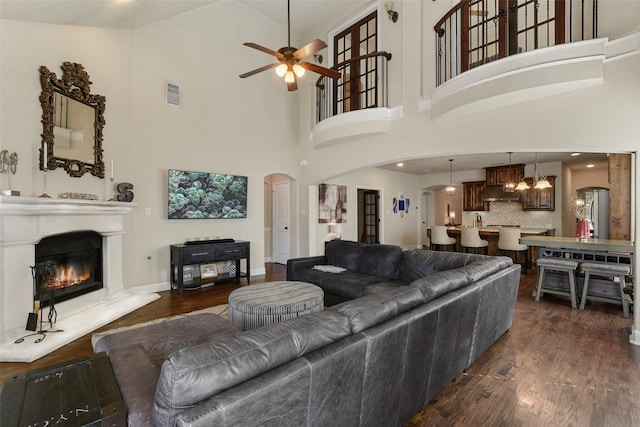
[(599, 214)]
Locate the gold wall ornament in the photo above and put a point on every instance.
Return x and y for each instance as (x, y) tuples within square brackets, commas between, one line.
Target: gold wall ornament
[(81, 151)]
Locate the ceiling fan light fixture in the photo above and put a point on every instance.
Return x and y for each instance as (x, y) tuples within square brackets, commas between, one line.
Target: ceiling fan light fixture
[(281, 70), (298, 69), (289, 77)]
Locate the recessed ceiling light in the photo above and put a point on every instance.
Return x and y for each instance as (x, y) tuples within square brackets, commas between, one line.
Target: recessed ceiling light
[(575, 154), (400, 165), (591, 165)]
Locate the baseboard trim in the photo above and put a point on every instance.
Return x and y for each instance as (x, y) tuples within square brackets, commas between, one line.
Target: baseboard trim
[(634, 338)]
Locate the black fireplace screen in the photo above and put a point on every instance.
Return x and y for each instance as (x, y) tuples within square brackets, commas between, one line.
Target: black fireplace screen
[(68, 265)]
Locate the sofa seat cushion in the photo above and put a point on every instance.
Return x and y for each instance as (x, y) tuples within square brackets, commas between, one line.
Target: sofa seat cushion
[(161, 338), (344, 253), (193, 374), (349, 285), (380, 260)]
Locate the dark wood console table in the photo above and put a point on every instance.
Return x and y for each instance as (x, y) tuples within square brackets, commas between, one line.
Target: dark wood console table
[(187, 257)]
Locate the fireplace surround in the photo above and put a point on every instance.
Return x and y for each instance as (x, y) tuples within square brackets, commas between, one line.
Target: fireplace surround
[(26, 221)]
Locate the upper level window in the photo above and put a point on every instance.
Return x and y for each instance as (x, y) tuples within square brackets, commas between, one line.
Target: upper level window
[(357, 89)]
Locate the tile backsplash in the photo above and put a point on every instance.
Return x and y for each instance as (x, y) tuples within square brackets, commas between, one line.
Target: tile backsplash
[(511, 213)]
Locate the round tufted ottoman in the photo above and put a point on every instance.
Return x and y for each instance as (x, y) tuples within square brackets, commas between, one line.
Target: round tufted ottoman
[(254, 306)]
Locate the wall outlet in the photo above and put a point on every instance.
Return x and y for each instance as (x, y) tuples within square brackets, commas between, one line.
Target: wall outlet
[(147, 211)]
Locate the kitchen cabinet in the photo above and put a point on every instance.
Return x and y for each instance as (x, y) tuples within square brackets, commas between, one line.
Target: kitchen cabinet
[(472, 196), (500, 174), (539, 200)]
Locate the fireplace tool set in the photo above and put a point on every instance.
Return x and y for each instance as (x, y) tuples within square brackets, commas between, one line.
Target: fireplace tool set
[(41, 272)]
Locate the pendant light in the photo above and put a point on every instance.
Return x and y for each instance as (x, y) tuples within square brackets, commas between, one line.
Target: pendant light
[(522, 185), (451, 190), (540, 180), (509, 186)]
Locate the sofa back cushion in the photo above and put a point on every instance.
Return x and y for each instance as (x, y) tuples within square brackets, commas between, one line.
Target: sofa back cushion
[(373, 309), (482, 268), (380, 260), (417, 263), (195, 373), (344, 253), (441, 283)]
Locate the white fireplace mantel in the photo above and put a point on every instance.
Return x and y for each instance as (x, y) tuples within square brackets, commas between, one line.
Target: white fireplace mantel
[(24, 221)]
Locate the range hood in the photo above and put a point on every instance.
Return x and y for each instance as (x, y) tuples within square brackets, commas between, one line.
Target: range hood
[(494, 193)]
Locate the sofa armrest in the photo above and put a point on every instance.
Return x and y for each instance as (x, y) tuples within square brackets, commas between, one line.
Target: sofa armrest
[(298, 264), (137, 376)]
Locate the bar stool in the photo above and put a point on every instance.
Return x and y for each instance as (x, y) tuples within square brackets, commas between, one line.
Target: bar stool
[(439, 237), (567, 266), (509, 241), (470, 238), (616, 270)]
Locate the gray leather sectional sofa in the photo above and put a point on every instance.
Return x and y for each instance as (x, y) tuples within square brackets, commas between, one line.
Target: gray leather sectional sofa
[(374, 360)]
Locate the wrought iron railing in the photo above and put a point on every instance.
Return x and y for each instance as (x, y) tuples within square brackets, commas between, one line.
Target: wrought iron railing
[(363, 84), (475, 32)]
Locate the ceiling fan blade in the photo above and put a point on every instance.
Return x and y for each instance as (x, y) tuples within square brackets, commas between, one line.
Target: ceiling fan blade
[(321, 70), (310, 49), (292, 86), (264, 49), (259, 70)]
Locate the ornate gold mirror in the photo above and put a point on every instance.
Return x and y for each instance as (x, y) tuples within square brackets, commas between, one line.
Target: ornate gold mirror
[(72, 122)]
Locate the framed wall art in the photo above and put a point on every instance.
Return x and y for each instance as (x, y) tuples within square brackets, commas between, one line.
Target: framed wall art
[(332, 204), (204, 195)]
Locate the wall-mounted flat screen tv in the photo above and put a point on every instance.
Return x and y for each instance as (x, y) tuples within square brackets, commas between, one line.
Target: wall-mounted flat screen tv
[(203, 195)]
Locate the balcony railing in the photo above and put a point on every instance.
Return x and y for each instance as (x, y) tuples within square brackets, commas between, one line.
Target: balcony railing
[(475, 32), (363, 84)]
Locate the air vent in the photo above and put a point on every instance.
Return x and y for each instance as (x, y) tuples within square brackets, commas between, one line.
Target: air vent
[(173, 94)]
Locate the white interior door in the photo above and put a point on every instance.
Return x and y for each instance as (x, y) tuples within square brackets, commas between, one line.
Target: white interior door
[(281, 221)]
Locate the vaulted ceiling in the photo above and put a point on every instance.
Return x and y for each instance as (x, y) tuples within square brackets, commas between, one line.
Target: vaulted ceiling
[(308, 17)]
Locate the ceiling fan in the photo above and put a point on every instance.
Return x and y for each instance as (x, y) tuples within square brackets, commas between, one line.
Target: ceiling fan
[(291, 65)]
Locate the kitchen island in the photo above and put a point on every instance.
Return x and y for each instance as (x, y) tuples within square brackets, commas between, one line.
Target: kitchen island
[(603, 245), (602, 286), (490, 234)]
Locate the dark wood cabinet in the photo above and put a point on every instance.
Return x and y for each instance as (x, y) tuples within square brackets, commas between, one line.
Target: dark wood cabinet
[(500, 174), (197, 254), (472, 196), (539, 200)]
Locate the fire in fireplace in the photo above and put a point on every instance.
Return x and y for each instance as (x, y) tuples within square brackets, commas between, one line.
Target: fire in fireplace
[(67, 265)]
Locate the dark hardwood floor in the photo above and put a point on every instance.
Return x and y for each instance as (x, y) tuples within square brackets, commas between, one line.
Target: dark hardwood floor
[(557, 366)]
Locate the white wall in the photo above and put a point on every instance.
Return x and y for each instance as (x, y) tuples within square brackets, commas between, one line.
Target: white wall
[(396, 229), (24, 48), (225, 124)]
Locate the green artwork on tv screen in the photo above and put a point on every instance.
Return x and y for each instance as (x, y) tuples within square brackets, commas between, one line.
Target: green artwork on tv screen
[(202, 195)]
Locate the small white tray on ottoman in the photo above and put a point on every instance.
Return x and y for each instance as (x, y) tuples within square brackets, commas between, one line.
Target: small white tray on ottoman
[(257, 305)]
